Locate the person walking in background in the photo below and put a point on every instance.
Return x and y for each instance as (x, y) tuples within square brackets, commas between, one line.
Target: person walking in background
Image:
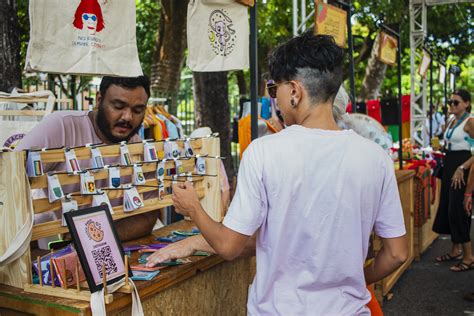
[(451, 218), (438, 125)]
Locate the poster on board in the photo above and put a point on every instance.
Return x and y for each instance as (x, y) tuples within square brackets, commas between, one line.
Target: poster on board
[(388, 46), (331, 20)]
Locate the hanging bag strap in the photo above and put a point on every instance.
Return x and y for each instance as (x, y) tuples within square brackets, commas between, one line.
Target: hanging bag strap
[(20, 243), (98, 300)]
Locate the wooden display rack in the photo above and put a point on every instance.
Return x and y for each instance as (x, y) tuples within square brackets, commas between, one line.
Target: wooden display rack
[(15, 192)]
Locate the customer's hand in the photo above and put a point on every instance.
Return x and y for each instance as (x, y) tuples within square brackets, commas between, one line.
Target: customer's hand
[(457, 181), (185, 199), (468, 204), (177, 250)]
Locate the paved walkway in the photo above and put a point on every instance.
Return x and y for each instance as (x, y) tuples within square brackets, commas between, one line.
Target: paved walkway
[(430, 288)]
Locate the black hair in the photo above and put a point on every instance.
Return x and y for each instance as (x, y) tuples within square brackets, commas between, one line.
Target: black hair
[(315, 60), (125, 82), (465, 96)]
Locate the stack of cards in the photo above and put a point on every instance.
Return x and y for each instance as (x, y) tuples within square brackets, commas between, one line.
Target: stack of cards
[(97, 160), (188, 150), (55, 192), (131, 200), (67, 206), (87, 183), (34, 167), (102, 199), (149, 152), (138, 176), (72, 165), (200, 165), (171, 150), (114, 177), (160, 176), (125, 158)]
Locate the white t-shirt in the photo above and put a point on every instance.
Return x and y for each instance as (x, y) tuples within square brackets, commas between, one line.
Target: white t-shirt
[(314, 196)]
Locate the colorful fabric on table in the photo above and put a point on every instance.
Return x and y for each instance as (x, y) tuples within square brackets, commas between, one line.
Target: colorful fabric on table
[(422, 190)]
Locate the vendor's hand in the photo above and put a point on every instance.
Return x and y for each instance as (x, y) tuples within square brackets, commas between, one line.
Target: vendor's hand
[(468, 204), (177, 250), (457, 181), (185, 198)]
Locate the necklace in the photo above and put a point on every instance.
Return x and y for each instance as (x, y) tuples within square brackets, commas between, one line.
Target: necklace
[(450, 131)]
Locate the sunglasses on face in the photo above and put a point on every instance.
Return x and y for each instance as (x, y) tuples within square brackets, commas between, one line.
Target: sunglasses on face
[(453, 102), (272, 89), (87, 17)]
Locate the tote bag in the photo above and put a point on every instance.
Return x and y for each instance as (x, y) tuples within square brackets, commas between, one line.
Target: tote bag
[(18, 117), (84, 37), (217, 35)]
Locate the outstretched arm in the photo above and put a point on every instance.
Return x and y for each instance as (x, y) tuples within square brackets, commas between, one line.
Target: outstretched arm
[(222, 240), (189, 246)]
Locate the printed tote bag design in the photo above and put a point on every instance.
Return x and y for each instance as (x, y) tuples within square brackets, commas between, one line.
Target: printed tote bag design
[(95, 37), (218, 35)]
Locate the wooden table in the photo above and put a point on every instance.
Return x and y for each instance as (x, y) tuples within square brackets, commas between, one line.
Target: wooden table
[(207, 286)]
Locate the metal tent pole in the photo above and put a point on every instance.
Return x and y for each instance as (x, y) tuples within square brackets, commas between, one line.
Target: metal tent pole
[(253, 72)]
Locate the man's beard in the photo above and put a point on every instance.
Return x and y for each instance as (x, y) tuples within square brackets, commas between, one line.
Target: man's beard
[(105, 127)]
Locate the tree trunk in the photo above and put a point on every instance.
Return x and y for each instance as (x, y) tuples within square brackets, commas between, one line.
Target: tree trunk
[(10, 72), (169, 50), (211, 108), (241, 83), (374, 75)]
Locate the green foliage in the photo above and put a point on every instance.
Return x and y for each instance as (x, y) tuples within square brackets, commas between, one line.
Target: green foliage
[(148, 20), (447, 37), (24, 21)]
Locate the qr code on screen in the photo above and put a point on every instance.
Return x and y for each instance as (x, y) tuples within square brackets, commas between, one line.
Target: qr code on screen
[(104, 256)]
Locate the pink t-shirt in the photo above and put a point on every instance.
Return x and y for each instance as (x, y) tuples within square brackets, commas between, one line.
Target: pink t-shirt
[(65, 128), (68, 129), (313, 197)]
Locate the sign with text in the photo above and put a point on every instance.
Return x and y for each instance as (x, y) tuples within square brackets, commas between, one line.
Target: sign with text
[(425, 64), (388, 46), (332, 21)]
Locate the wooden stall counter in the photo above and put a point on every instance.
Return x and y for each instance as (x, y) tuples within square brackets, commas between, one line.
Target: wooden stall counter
[(207, 286), (405, 188)]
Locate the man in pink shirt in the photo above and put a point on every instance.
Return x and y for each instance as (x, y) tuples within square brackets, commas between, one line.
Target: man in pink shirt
[(311, 196), (121, 105)]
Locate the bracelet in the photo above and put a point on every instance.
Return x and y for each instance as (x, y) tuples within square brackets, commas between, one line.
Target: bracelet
[(468, 194)]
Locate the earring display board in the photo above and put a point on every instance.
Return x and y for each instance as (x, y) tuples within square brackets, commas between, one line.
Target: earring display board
[(16, 196)]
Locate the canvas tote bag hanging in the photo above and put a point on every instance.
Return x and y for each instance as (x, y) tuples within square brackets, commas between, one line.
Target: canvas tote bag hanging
[(84, 37), (218, 35)]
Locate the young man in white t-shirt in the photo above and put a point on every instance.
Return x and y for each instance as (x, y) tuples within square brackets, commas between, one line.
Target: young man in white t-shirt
[(311, 195)]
